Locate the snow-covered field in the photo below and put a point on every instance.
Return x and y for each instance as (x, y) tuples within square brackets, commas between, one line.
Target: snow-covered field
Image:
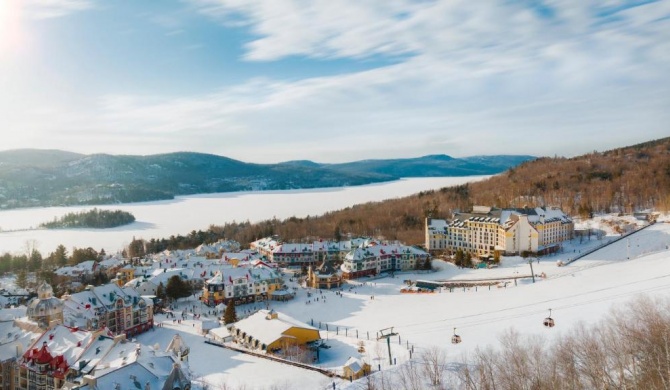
[(583, 291), (186, 213)]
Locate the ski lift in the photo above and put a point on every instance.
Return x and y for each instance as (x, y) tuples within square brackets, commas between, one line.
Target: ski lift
[(455, 339), (549, 322)]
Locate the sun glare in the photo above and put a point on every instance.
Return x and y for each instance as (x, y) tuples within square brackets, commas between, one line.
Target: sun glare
[(10, 28)]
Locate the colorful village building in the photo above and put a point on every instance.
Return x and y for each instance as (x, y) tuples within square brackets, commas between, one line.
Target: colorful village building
[(47, 364), (242, 285), (14, 341), (375, 258), (270, 331), (301, 254), (121, 310), (325, 276)]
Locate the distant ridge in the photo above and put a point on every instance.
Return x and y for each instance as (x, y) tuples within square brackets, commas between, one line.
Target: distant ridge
[(33, 177), (623, 180)]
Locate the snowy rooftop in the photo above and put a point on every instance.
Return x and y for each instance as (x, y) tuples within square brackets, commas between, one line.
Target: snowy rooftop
[(68, 342), (268, 330), (12, 337), (382, 250)]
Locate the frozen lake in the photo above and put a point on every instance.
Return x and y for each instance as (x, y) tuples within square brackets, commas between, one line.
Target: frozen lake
[(194, 212)]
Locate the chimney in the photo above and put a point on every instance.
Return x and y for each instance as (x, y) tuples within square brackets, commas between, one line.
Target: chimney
[(90, 381)]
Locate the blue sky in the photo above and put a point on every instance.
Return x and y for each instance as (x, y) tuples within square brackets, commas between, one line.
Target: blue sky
[(333, 80)]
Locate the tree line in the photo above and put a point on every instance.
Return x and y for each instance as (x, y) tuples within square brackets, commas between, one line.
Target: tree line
[(32, 262), (96, 218), (622, 180)]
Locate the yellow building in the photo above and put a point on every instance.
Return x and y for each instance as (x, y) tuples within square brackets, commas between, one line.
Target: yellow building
[(272, 331), (324, 276), (125, 275), (243, 285), (355, 369), (485, 231)]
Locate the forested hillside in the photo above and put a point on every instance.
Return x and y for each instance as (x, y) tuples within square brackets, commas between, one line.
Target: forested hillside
[(30, 178), (620, 180)]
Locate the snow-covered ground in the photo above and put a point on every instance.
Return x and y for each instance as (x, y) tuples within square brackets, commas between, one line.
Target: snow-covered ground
[(582, 291)]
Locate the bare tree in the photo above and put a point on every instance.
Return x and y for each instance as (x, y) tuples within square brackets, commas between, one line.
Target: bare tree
[(409, 377), (630, 349), (434, 361)]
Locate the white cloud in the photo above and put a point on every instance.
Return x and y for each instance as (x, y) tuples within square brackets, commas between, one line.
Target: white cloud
[(469, 78), (45, 9), (414, 108), (451, 30)]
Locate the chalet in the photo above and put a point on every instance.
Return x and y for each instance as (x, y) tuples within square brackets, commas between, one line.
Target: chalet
[(47, 363), (121, 310), (355, 369), (376, 258), (270, 331), (301, 254), (324, 276), (128, 364), (243, 285), (13, 342)]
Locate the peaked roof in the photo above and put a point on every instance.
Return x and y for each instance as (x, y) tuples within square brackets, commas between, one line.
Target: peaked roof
[(269, 330), (176, 379), (354, 364), (325, 268)]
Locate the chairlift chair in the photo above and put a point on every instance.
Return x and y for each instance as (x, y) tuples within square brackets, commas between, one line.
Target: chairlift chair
[(455, 339), (549, 322)]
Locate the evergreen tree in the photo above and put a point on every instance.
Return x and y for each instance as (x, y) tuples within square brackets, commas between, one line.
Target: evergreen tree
[(35, 261), (458, 258), (100, 278), (60, 256), (177, 288), (22, 278), (48, 276), (338, 233), (136, 248), (160, 292), (5, 263), (230, 315), (427, 265), (81, 255), (467, 261)]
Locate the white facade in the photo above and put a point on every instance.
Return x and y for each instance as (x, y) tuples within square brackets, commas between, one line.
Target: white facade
[(377, 258), (511, 231)]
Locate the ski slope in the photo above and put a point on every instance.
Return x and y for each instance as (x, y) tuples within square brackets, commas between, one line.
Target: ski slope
[(585, 291)]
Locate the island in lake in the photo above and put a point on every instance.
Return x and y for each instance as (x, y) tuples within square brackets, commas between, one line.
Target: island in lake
[(97, 219)]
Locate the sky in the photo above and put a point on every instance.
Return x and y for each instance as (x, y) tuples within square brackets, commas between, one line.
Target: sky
[(333, 80)]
